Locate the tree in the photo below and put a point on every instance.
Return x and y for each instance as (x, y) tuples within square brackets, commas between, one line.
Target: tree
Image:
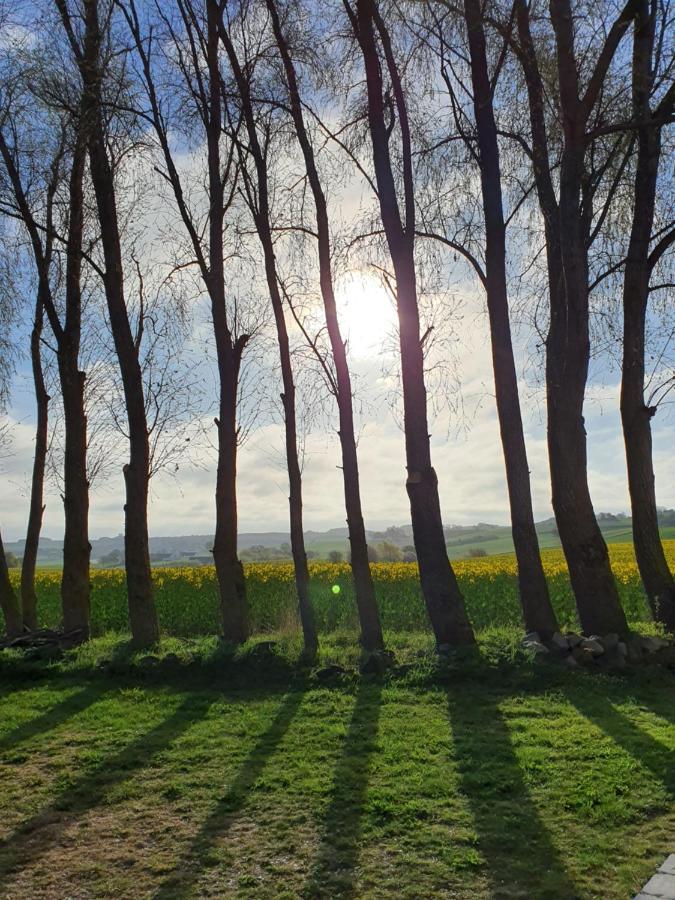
[(92, 53), (62, 165), (196, 59), (441, 592), (537, 609), (483, 147), (567, 225), (340, 382), (257, 193), (36, 511), (335, 556), (644, 253), (9, 603), (114, 558), (389, 552)]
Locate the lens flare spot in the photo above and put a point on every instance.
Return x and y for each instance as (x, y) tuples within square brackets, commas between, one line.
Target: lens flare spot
[(336, 589)]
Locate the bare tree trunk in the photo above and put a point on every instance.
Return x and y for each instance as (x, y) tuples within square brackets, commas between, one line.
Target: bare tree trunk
[(635, 414), (538, 613), (568, 343), (442, 596), (142, 611), (369, 617), (8, 599), (260, 210), (28, 593), (75, 585), (568, 356), (229, 570)]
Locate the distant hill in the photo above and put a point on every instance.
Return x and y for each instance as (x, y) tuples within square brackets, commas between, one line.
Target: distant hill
[(462, 541)]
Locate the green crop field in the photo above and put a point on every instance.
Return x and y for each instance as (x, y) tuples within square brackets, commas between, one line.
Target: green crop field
[(187, 597)]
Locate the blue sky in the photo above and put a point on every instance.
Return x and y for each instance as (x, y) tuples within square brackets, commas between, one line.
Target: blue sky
[(466, 451), (465, 438)]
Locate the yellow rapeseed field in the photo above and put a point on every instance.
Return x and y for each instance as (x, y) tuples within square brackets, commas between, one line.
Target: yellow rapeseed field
[(187, 597)]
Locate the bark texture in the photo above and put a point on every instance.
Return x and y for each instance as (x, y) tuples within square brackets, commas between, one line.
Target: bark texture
[(366, 602), (442, 596), (75, 588), (567, 228), (36, 508), (9, 603), (259, 204), (538, 612), (208, 249), (636, 415), (142, 611)]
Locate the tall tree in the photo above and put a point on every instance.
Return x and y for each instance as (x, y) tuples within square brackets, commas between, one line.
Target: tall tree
[(483, 144), (94, 69), (369, 618), (9, 603), (257, 194), (441, 592), (567, 226), (36, 507), (70, 150), (196, 57), (643, 255)]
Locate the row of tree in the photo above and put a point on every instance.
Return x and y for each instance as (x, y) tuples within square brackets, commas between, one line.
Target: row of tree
[(525, 139)]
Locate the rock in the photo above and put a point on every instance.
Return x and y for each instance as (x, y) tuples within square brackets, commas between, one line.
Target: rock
[(378, 662), (666, 657), (559, 642), (612, 660), (171, 659), (570, 662), (593, 644), (149, 662), (536, 647), (583, 656), (634, 650), (118, 667), (532, 637), (405, 669), (609, 641), (573, 639), (653, 644), (264, 647), (328, 672), (622, 649)]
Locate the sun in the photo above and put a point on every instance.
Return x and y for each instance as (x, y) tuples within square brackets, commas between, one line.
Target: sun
[(366, 312)]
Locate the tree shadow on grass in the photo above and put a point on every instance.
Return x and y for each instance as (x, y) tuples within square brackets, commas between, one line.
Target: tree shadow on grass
[(43, 830), (660, 703), (221, 817), (520, 856), (645, 749), (56, 715), (334, 871)]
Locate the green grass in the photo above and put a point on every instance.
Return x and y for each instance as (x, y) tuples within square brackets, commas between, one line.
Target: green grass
[(218, 775)]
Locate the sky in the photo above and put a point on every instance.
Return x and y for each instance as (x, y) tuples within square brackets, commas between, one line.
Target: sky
[(465, 446)]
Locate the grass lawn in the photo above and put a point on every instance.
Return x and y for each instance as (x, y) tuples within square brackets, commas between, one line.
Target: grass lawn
[(205, 776)]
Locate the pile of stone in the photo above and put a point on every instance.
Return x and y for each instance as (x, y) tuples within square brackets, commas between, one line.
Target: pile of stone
[(599, 650), (44, 638)]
